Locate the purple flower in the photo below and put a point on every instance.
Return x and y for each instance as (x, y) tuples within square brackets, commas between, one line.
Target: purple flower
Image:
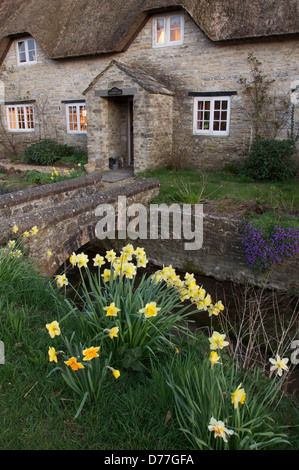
[(264, 248)]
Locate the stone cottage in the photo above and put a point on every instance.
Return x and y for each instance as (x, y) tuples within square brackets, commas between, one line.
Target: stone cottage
[(151, 83)]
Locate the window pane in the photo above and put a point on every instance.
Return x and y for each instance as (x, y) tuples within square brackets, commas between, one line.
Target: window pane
[(83, 124), (217, 104), (223, 126), (21, 118), (31, 50), (73, 118), (29, 116), (160, 31), (203, 115), (12, 118), (223, 115), (175, 28), (22, 51)]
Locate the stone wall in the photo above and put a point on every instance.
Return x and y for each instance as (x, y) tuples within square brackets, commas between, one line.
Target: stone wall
[(197, 65), (221, 256)]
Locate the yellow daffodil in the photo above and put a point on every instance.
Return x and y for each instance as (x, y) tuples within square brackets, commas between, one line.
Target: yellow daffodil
[(11, 243), (111, 310), (113, 332), (82, 260), (115, 372), (26, 234), (90, 353), (217, 341), (72, 362), (129, 251), (238, 396), (219, 429), (98, 260), (106, 275), (177, 351), (215, 309), (73, 259), (34, 230), (139, 252), (110, 255), (15, 228), (129, 270), (49, 253), (61, 280), (53, 329), (142, 262), (52, 354), (205, 303), (214, 358), (150, 310), (279, 365)]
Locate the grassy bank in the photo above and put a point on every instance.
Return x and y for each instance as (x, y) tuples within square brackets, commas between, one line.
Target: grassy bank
[(191, 187), (145, 407)]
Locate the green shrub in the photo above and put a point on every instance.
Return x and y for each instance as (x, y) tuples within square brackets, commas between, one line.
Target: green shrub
[(46, 152), (270, 160), (35, 177)]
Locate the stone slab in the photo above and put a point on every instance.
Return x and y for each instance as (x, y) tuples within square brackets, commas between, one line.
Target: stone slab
[(116, 175)]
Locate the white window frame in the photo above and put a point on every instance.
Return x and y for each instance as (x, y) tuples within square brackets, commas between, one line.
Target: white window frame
[(28, 61), (212, 100), (167, 19), (26, 122), (77, 105)]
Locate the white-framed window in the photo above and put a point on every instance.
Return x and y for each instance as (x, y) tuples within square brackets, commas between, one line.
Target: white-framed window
[(211, 115), (168, 30), (26, 51), (76, 118), (20, 118)]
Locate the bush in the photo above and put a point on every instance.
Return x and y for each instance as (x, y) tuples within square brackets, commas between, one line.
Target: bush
[(46, 152), (270, 160)]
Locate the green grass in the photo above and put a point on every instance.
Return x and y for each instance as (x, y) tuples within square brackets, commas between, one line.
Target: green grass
[(190, 187)]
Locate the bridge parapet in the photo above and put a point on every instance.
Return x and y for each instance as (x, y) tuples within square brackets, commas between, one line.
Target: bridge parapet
[(20, 203), (66, 227)]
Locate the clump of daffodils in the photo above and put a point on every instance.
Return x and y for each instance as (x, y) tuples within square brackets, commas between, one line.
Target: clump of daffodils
[(121, 265), (189, 290)]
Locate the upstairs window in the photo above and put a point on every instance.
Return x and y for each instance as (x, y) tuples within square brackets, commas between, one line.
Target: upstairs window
[(168, 30), (26, 50), (211, 115), (20, 118), (76, 118)]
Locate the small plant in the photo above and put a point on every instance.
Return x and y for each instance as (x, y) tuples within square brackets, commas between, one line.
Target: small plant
[(265, 247), (46, 152), (270, 160), (220, 408)]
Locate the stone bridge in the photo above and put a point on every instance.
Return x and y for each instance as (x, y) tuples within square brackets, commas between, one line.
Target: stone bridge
[(64, 214)]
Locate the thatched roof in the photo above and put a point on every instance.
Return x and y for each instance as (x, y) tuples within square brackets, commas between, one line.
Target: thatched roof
[(72, 28)]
